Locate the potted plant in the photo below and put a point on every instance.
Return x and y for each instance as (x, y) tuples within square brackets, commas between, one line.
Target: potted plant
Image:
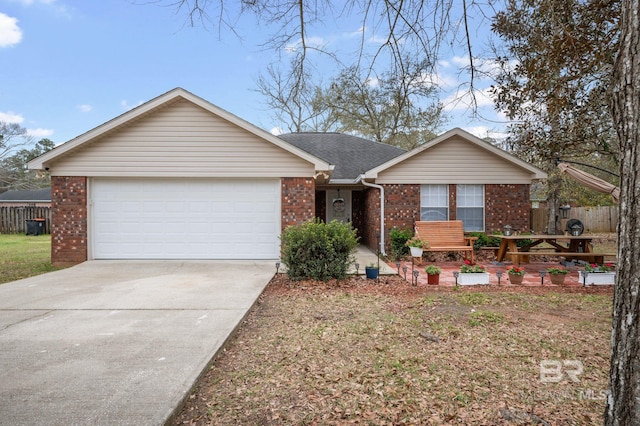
[(471, 274), (516, 274), (371, 271), (417, 246), (557, 274), (433, 274), (597, 274)]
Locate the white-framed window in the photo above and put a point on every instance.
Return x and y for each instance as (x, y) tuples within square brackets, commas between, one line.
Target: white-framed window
[(434, 202), (470, 206)]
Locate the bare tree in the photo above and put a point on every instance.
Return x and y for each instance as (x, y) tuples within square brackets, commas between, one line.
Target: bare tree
[(14, 173), (12, 138), (290, 99), (397, 109), (408, 28)]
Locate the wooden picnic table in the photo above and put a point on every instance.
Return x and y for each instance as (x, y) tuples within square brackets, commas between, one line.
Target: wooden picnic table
[(572, 246)]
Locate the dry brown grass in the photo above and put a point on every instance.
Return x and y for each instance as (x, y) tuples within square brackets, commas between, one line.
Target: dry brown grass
[(362, 353)]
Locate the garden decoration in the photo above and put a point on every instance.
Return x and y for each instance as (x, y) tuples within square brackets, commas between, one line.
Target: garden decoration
[(595, 274), (472, 274), (516, 274), (557, 274)]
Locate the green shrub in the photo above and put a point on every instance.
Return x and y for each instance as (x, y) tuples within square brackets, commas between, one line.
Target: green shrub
[(399, 238), (484, 240), (319, 250), (522, 243)]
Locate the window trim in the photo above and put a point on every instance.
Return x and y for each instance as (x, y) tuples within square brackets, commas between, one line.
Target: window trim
[(446, 206), (482, 206)]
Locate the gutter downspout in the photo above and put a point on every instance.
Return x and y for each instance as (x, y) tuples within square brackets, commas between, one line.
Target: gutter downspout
[(373, 185)]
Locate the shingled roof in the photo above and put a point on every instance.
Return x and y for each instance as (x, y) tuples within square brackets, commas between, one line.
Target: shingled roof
[(19, 195), (351, 155)]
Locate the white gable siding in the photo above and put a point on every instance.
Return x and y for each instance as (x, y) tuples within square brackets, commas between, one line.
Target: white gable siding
[(455, 161), (181, 140)]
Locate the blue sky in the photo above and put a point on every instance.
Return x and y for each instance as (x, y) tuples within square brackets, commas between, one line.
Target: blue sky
[(71, 65)]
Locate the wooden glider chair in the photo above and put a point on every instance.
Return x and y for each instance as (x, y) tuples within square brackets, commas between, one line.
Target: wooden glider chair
[(445, 235)]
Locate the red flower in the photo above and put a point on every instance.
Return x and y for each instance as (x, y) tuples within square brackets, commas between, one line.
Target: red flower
[(467, 262)]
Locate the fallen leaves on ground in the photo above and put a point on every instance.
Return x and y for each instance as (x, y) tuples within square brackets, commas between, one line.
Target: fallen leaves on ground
[(365, 352)]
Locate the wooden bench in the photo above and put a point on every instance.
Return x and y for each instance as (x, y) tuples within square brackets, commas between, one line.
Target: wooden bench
[(445, 235), (589, 257)]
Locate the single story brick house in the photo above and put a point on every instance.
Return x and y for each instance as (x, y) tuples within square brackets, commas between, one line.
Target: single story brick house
[(180, 178)]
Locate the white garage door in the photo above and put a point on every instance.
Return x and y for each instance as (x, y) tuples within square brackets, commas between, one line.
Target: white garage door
[(185, 219)]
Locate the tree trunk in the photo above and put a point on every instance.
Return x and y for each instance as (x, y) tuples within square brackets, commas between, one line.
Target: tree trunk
[(623, 403)]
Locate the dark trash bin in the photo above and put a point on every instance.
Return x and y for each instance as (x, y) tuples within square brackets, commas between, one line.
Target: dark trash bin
[(35, 226)]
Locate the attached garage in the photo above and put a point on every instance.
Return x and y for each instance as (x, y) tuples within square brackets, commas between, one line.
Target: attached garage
[(177, 178), (184, 218)]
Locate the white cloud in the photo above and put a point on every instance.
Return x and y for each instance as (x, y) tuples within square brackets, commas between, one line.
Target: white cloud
[(484, 132), (460, 61), (125, 105), (10, 33), (276, 131), (31, 2), (11, 117), (311, 42), (85, 107), (486, 69), (60, 9), (375, 39), (356, 33), (40, 133), (372, 82), (440, 80)]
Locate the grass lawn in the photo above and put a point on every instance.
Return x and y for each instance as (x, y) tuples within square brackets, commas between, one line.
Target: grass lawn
[(395, 354), (23, 256)]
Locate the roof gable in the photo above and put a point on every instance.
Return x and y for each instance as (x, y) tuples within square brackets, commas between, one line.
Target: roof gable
[(167, 100), (455, 157)]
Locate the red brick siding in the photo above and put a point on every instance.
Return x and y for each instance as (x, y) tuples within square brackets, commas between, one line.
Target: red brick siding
[(371, 218), (507, 205), (68, 220), (504, 204), (402, 207), (298, 201)]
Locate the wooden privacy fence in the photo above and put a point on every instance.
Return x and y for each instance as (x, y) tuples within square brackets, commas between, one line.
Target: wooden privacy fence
[(594, 219), (13, 220)]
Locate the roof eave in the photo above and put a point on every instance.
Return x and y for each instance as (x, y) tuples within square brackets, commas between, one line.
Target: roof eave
[(25, 201), (344, 181)]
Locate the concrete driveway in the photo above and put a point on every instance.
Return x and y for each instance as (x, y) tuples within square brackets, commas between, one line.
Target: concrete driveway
[(117, 342)]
